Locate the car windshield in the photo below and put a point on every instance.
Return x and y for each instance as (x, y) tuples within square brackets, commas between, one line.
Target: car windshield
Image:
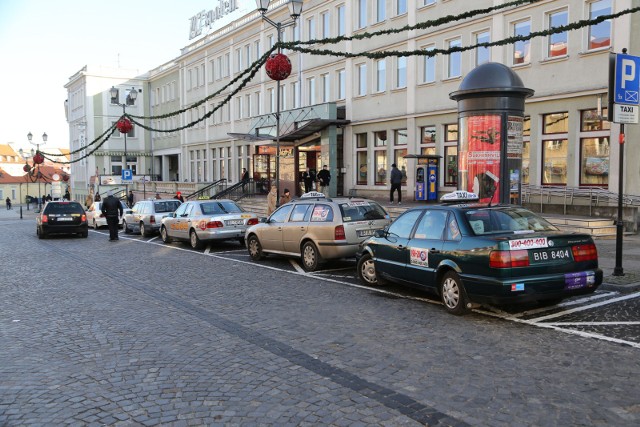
[(217, 208), (361, 210), (63, 208), (492, 221), (167, 206)]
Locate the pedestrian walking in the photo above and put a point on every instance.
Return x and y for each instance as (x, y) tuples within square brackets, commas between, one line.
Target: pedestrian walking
[(272, 200), (286, 197), (324, 178), (178, 196), (396, 183), (130, 198), (158, 196), (97, 198), (8, 203), (67, 195), (308, 177), (112, 210), (244, 179)]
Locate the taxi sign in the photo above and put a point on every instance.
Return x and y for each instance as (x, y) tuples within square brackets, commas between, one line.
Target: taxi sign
[(313, 194), (459, 196)]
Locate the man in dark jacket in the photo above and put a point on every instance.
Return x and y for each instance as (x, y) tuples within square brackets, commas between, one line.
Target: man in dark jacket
[(396, 183), (324, 178), (112, 210)]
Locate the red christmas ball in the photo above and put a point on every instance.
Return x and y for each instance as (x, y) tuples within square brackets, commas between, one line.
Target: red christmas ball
[(65, 178), (38, 159), (278, 66), (26, 168), (124, 125)]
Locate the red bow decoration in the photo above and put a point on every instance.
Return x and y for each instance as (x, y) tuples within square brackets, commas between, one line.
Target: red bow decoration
[(124, 125), (278, 66)]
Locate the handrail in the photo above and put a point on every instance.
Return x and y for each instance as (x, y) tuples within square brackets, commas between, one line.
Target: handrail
[(593, 196), (200, 192)]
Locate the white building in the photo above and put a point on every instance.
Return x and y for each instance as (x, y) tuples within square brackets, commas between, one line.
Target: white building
[(357, 114)]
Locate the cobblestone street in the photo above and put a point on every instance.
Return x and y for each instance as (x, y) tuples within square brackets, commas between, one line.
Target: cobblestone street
[(140, 333)]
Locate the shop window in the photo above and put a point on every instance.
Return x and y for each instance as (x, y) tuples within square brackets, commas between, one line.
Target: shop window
[(362, 168), (380, 138), (451, 133), (555, 123), (526, 157), (381, 167), (591, 121), (554, 162), (401, 163), (594, 161), (451, 166)]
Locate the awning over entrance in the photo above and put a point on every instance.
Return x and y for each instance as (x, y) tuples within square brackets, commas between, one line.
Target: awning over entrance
[(307, 129)]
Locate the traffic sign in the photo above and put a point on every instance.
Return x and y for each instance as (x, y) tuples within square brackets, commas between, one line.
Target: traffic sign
[(627, 80), (127, 175), (627, 114)]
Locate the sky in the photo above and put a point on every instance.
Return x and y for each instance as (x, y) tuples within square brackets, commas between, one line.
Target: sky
[(44, 42)]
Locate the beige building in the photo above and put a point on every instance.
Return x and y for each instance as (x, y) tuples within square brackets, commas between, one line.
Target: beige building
[(359, 115)]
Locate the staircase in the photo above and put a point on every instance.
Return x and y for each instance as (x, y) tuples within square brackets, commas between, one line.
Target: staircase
[(597, 228)]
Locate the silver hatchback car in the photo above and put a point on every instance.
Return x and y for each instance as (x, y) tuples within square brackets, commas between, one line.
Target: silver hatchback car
[(315, 228), (146, 215)]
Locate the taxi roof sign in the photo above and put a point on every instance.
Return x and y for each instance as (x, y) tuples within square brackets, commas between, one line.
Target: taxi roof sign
[(313, 194), (459, 196)]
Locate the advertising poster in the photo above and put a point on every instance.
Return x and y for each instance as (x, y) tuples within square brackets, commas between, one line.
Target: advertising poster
[(483, 157)]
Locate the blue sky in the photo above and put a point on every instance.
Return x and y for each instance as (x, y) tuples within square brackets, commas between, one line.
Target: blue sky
[(44, 42)]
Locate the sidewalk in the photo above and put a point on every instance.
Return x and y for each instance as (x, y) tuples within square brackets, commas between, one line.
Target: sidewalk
[(14, 212)]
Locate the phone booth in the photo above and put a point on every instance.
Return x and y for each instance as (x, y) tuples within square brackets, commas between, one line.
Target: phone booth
[(427, 181)]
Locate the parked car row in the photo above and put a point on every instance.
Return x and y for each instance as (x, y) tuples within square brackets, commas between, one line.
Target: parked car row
[(466, 253)]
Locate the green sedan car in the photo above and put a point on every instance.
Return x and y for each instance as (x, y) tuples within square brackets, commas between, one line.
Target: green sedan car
[(472, 254)]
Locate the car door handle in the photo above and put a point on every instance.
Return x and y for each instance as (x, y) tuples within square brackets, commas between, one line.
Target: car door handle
[(434, 251), (399, 247)]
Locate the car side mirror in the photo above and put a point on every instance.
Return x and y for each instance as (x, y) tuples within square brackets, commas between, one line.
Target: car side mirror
[(264, 220), (173, 215), (381, 233)]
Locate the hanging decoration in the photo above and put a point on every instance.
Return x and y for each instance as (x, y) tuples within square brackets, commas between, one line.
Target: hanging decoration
[(124, 125), (26, 168), (38, 158), (278, 66)]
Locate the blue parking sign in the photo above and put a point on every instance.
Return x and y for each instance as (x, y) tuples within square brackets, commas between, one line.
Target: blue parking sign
[(127, 175), (627, 80)]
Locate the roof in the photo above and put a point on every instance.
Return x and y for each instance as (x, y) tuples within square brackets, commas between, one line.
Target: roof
[(7, 150)]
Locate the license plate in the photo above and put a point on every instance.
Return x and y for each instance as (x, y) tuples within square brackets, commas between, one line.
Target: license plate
[(366, 233), (235, 222), (65, 219), (550, 255)]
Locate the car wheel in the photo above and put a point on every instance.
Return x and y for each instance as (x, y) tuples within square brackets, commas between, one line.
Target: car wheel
[(143, 230), (255, 248), (164, 235), (241, 241), (453, 294), (310, 257), (40, 233), (95, 226), (195, 241), (367, 271), (127, 230)]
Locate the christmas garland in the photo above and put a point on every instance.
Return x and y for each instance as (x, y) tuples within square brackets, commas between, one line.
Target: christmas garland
[(297, 46)]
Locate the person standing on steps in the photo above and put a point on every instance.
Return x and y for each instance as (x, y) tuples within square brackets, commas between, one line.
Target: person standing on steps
[(324, 178), (396, 183)]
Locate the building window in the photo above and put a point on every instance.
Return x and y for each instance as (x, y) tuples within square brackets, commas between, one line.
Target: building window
[(362, 13), (554, 162), (362, 79), (256, 46), (555, 123), (380, 164), (296, 32), (428, 2), (451, 155), (361, 153), (326, 26), (429, 64), (380, 138), (342, 89), (380, 10), (342, 28), (326, 88), (454, 68), (272, 99), (400, 151), (522, 49), (295, 89), (311, 28), (483, 54), (594, 148), (401, 72), (401, 7), (557, 43), (600, 34), (311, 91), (381, 75), (526, 149), (428, 140)]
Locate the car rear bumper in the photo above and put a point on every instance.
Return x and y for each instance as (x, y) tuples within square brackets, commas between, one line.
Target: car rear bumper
[(537, 288), (336, 250), (64, 229), (221, 234)]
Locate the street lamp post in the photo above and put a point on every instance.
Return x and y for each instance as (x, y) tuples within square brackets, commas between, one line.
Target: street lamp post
[(38, 176), (130, 100), (295, 9), (27, 169)]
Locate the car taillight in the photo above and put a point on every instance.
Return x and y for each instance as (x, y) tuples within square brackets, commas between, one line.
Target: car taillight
[(214, 224), (339, 233), (508, 259), (252, 221), (83, 218), (152, 219), (45, 218), (587, 252)]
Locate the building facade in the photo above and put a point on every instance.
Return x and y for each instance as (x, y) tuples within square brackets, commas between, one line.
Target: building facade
[(359, 114)]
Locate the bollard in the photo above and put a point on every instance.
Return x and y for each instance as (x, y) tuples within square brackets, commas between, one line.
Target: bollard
[(20, 211)]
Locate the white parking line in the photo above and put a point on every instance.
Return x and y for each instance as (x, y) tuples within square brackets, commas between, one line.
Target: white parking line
[(585, 307), (297, 267), (593, 323)]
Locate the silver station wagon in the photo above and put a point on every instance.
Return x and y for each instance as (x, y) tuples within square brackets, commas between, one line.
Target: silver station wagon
[(200, 221), (146, 215), (315, 228)]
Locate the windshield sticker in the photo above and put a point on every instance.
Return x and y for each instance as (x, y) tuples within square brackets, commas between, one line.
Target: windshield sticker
[(420, 257), (320, 213), (532, 243)]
